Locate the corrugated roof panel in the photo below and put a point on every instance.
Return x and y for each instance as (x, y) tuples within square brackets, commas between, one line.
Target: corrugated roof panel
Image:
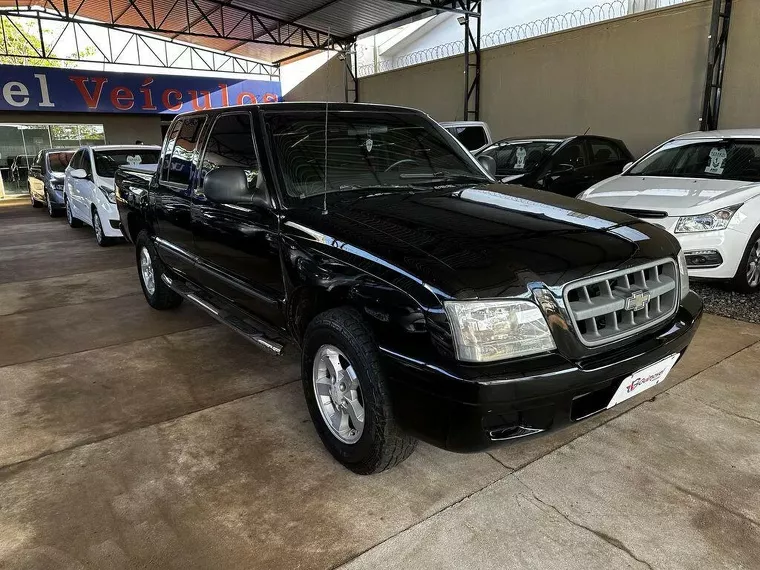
[(342, 18), (348, 17)]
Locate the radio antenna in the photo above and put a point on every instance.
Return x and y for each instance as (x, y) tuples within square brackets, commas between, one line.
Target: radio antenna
[(327, 108), (587, 130)]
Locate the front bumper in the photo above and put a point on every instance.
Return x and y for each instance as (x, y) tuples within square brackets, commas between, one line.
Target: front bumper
[(450, 409), (109, 217), (726, 249), (55, 195)]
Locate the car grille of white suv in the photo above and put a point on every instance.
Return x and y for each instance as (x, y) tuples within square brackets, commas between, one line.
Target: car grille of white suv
[(615, 305)]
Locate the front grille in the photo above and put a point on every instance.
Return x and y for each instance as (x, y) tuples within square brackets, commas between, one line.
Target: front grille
[(612, 306)]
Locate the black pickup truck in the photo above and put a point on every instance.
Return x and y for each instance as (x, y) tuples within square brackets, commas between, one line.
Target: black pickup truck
[(427, 301)]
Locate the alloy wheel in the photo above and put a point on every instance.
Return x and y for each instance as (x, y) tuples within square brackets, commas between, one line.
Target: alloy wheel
[(69, 215), (146, 271), (338, 394), (753, 265), (98, 227)]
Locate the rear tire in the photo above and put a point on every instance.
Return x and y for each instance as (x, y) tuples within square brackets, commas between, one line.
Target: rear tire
[(73, 222), (342, 342), (150, 269), (747, 278)]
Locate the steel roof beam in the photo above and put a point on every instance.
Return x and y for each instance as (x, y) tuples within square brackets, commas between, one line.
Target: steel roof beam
[(454, 6)]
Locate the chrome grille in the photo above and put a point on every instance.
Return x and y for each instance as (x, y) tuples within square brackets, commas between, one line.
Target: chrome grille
[(614, 305)]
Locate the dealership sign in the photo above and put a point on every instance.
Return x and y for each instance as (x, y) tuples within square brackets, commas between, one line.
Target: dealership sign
[(79, 91)]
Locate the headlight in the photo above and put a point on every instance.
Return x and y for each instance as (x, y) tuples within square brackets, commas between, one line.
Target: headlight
[(683, 273), (108, 193), (485, 331), (717, 220)]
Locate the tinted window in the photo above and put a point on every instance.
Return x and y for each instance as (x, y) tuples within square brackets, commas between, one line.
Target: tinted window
[(603, 151), (169, 147), (107, 161), (572, 153), (76, 160), (231, 144), (86, 163), (397, 151), (58, 161), (181, 164), (472, 138), (720, 158), (518, 157)]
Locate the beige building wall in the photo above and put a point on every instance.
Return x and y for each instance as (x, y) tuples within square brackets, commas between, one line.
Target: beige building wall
[(638, 78)]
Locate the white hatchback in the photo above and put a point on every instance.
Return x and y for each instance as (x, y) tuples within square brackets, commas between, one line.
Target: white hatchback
[(88, 186), (704, 188)]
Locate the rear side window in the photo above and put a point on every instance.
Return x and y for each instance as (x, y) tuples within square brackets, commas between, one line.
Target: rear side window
[(471, 137), (181, 163), (171, 137), (603, 151)]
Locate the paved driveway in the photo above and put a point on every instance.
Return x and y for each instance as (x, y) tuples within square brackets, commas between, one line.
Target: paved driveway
[(131, 438)]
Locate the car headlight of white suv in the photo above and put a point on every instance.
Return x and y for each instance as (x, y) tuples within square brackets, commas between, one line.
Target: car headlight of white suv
[(717, 220), (485, 331)]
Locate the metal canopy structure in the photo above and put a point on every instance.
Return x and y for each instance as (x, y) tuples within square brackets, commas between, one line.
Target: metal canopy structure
[(248, 36)]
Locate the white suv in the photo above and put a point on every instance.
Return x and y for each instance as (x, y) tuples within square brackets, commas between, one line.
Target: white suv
[(88, 186), (704, 188)]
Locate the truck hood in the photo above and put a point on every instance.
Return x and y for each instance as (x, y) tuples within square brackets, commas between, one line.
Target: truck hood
[(672, 195), (484, 241)]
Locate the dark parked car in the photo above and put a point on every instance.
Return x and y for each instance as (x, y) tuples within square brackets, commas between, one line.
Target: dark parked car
[(426, 300), (46, 179), (563, 165)]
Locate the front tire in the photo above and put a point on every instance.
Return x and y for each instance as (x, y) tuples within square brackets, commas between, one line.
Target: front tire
[(97, 225), (347, 394), (747, 278), (73, 222), (35, 203), (149, 269), (50, 209)]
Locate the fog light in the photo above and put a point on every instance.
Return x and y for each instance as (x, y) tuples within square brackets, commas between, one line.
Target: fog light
[(703, 258)]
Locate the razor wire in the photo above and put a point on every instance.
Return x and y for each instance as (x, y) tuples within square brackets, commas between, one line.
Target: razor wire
[(551, 24)]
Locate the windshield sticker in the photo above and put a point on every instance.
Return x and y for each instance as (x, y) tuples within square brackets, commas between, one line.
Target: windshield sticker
[(520, 155), (134, 160), (368, 144), (717, 161)]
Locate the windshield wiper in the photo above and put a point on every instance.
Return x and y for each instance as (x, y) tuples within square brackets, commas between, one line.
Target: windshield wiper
[(437, 177)]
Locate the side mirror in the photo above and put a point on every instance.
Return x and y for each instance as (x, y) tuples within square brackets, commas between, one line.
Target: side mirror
[(562, 169), (627, 167), (78, 173), (488, 164), (229, 185)]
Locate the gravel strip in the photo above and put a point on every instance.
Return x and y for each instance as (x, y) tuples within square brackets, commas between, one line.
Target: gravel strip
[(720, 300)]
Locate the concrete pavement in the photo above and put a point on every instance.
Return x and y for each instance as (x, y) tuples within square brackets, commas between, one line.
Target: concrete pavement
[(131, 438)]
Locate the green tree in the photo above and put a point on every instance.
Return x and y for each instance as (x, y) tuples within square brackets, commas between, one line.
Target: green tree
[(20, 44)]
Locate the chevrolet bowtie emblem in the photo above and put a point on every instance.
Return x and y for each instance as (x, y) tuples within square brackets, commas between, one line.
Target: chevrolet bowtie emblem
[(637, 300)]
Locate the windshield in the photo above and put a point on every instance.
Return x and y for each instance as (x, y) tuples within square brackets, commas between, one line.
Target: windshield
[(381, 151), (724, 159), (58, 161), (107, 161), (519, 157)]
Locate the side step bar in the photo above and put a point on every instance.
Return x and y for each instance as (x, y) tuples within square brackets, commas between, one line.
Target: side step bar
[(238, 323)]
